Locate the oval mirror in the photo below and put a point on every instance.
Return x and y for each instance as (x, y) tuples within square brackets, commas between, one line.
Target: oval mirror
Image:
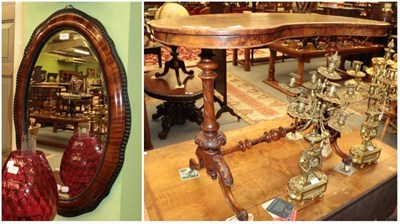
[(71, 93)]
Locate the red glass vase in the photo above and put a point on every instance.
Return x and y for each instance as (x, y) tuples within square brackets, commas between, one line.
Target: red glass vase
[(80, 161), (29, 189)]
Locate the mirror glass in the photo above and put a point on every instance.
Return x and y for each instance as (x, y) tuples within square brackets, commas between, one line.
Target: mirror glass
[(67, 105)]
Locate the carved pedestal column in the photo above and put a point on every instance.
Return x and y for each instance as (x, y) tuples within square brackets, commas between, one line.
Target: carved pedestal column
[(210, 139)]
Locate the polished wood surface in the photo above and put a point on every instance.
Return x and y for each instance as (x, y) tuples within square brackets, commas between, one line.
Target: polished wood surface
[(118, 102), (222, 31), (262, 173)]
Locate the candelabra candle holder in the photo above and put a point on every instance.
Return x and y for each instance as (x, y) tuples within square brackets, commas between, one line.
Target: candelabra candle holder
[(351, 95), (357, 74), (297, 104), (381, 95), (329, 71)]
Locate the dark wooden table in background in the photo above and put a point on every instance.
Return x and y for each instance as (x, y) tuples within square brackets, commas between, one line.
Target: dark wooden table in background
[(305, 55)]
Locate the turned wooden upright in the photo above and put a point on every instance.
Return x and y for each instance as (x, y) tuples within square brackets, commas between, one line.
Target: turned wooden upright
[(230, 31)]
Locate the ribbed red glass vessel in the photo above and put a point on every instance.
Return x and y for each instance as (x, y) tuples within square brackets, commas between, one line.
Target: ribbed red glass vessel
[(29, 189), (80, 161)]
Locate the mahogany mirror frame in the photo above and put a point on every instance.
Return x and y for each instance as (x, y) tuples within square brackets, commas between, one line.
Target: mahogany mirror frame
[(118, 104)]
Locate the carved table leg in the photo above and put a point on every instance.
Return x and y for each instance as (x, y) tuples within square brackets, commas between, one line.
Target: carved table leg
[(211, 139)]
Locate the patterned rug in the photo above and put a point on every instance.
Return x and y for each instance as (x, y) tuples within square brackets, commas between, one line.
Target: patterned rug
[(252, 103), (248, 101), (191, 56)]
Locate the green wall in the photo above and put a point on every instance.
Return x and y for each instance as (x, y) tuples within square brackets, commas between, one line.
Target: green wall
[(50, 64), (122, 21)]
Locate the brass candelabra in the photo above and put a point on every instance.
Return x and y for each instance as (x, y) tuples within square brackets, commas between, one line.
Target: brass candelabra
[(381, 93), (324, 112)]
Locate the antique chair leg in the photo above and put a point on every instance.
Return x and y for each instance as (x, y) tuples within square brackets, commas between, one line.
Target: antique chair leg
[(211, 139)]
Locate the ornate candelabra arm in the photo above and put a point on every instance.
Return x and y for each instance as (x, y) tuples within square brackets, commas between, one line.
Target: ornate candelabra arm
[(272, 135)]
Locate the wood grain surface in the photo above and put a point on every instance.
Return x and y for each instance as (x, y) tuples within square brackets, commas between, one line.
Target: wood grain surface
[(241, 30)]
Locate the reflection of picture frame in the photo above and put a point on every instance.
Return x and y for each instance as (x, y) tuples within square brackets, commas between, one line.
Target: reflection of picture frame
[(91, 73)]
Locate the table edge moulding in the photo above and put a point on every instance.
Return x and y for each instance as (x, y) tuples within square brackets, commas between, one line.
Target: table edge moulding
[(229, 31)]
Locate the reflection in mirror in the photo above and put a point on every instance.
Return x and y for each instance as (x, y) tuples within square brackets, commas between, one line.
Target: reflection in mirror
[(68, 110)]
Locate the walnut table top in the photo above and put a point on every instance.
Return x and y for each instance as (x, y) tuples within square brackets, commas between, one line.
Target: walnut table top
[(236, 30)]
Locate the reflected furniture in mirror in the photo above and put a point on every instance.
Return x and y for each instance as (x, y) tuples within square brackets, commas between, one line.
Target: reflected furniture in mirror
[(88, 85)]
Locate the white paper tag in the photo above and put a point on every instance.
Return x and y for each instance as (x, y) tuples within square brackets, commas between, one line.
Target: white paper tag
[(64, 189), (187, 173), (10, 163), (370, 148), (314, 180), (13, 169)]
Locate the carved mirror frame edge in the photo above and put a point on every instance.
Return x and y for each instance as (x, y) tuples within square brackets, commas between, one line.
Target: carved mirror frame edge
[(115, 81)]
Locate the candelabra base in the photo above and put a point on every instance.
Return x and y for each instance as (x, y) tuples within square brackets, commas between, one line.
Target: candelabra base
[(307, 187), (347, 170), (362, 155)]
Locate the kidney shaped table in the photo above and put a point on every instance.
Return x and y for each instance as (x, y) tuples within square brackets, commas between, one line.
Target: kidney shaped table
[(230, 31)]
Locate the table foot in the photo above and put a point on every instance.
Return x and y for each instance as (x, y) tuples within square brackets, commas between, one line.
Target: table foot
[(225, 108), (217, 167), (225, 182)]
